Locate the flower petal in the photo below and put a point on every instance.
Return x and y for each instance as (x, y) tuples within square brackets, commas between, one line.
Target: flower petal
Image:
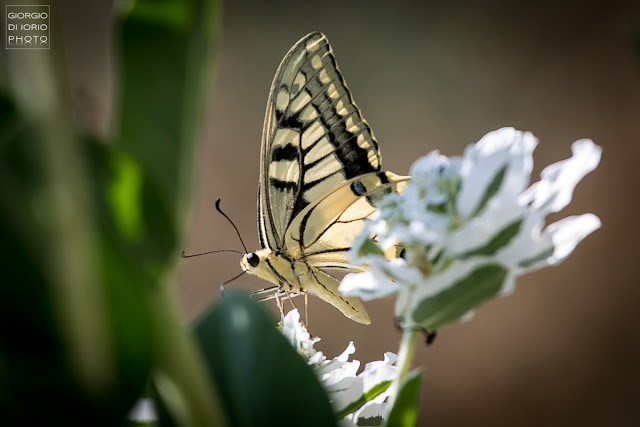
[(338, 362), (560, 239), (554, 191), (468, 226), (499, 164), (367, 286)]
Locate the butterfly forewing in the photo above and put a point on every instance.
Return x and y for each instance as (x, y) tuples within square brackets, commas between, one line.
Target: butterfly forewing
[(314, 138)]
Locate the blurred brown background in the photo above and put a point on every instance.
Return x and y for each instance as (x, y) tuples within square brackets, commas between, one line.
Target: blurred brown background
[(564, 348)]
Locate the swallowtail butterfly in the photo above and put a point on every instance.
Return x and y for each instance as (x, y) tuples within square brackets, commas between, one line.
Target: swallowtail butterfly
[(319, 175)]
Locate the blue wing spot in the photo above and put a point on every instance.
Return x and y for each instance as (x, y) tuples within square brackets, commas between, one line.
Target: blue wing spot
[(358, 188)]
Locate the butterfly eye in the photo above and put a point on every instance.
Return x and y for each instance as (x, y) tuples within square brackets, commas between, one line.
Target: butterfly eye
[(253, 259)]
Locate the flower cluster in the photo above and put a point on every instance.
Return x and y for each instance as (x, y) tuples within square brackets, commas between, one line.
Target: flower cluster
[(466, 227), (358, 399)]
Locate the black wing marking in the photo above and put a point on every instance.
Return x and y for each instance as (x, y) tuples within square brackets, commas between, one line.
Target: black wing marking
[(314, 137)]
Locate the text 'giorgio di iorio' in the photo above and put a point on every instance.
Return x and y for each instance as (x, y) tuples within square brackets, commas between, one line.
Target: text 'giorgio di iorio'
[(28, 27)]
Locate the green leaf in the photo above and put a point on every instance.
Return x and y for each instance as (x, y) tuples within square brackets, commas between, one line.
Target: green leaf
[(498, 241), (74, 343), (540, 256), (370, 422), (262, 380), (404, 412), (491, 190), (373, 392), (165, 59), (89, 228), (467, 293), (369, 247), (124, 196)]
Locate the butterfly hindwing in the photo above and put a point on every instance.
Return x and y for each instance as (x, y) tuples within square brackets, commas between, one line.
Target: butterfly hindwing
[(323, 232), (314, 137), (325, 287)]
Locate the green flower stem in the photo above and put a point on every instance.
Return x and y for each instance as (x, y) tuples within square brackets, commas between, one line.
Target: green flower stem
[(405, 357), (182, 379)]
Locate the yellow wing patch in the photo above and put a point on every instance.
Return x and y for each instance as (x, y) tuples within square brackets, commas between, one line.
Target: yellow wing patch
[(323, 232)]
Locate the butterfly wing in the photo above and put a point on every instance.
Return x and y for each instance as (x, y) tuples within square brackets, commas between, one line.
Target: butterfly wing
[(325, 287), (314, 138), (323, 232)]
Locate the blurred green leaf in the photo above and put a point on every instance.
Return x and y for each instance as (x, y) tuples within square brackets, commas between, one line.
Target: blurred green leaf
[(165, 55), (89, 228), (404, 412), (261, 378), (543, 254), (369, 247), (165, 59), (371, 394), (445, 307), (497, 242), (124, 196), (74, 344), (491, 190)]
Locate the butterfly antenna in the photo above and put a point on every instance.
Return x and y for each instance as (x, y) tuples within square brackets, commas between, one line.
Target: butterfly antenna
[(232, 224), (184, 255)]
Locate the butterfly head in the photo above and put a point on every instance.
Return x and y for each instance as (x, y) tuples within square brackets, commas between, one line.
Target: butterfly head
[(256, 263), (251, 259)]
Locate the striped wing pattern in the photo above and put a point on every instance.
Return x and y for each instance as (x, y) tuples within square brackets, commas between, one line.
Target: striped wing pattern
[(323, 232), (314, 138), (319, 177)]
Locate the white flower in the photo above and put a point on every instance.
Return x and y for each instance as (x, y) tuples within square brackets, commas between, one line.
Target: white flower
[(354, 396), (469, 226), (144, 411), (299, 338)]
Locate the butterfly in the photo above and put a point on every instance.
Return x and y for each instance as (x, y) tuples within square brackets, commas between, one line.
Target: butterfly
[(319, 177)]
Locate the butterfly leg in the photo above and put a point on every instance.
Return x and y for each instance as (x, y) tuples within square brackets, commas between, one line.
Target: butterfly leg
[(306, 309), (280, 294), (280, 304), (275, 294), (268, 289), (289, 296)]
